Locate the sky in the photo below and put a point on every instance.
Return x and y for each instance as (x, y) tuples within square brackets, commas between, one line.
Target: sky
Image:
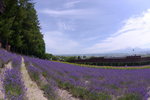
[(94, 26)]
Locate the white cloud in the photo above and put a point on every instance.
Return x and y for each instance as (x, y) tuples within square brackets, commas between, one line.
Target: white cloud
[(71, 13), (59, 43), (134, 34), (67, 26), (71, 4), (88, 39), (63, 12)]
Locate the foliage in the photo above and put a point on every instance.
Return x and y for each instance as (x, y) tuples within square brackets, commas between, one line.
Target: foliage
[(51, 57), (19, 27), (70, 58)]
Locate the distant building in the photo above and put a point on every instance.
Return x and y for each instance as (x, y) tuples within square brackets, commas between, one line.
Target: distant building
[(115, 61)]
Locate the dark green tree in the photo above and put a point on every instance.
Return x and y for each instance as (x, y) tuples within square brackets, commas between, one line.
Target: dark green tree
[(6, 20), (19, 27), (33, 39)]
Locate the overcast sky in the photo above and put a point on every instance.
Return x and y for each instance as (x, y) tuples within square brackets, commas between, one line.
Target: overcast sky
[(94, 26)]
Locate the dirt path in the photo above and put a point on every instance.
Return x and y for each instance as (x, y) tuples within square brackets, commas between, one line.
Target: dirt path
[(33, 92), (65, 95), (62, 94), (6, 66)]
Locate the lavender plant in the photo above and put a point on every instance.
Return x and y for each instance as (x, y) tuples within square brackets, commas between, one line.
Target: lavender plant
[(12, 83), (86, 83), (39, 77), (112, 82), (6, 56)]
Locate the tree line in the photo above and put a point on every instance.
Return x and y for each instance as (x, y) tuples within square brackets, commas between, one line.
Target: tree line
[(20, 27)]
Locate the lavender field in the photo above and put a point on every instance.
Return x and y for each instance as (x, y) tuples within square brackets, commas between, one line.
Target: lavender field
[(83, 83)]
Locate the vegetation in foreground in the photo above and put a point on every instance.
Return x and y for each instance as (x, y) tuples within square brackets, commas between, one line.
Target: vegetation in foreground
[(96, 84), (82, 82)]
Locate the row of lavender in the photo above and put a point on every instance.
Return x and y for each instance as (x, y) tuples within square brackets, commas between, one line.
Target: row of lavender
[(113, 82), (108, 82), (6, 56), (12, 83)]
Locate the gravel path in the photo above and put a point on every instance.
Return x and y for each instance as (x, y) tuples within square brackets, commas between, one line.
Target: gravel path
[(65, 95), (33, 92), (2, 71)]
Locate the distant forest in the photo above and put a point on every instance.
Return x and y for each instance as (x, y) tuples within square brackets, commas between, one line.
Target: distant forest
[(20, 28)]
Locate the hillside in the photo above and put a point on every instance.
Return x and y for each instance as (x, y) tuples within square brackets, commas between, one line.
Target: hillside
[(27, 78)]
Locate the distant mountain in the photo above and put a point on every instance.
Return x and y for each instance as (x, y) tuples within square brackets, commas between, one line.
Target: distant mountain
[(116, 53), (132, 51), (98, 55)]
